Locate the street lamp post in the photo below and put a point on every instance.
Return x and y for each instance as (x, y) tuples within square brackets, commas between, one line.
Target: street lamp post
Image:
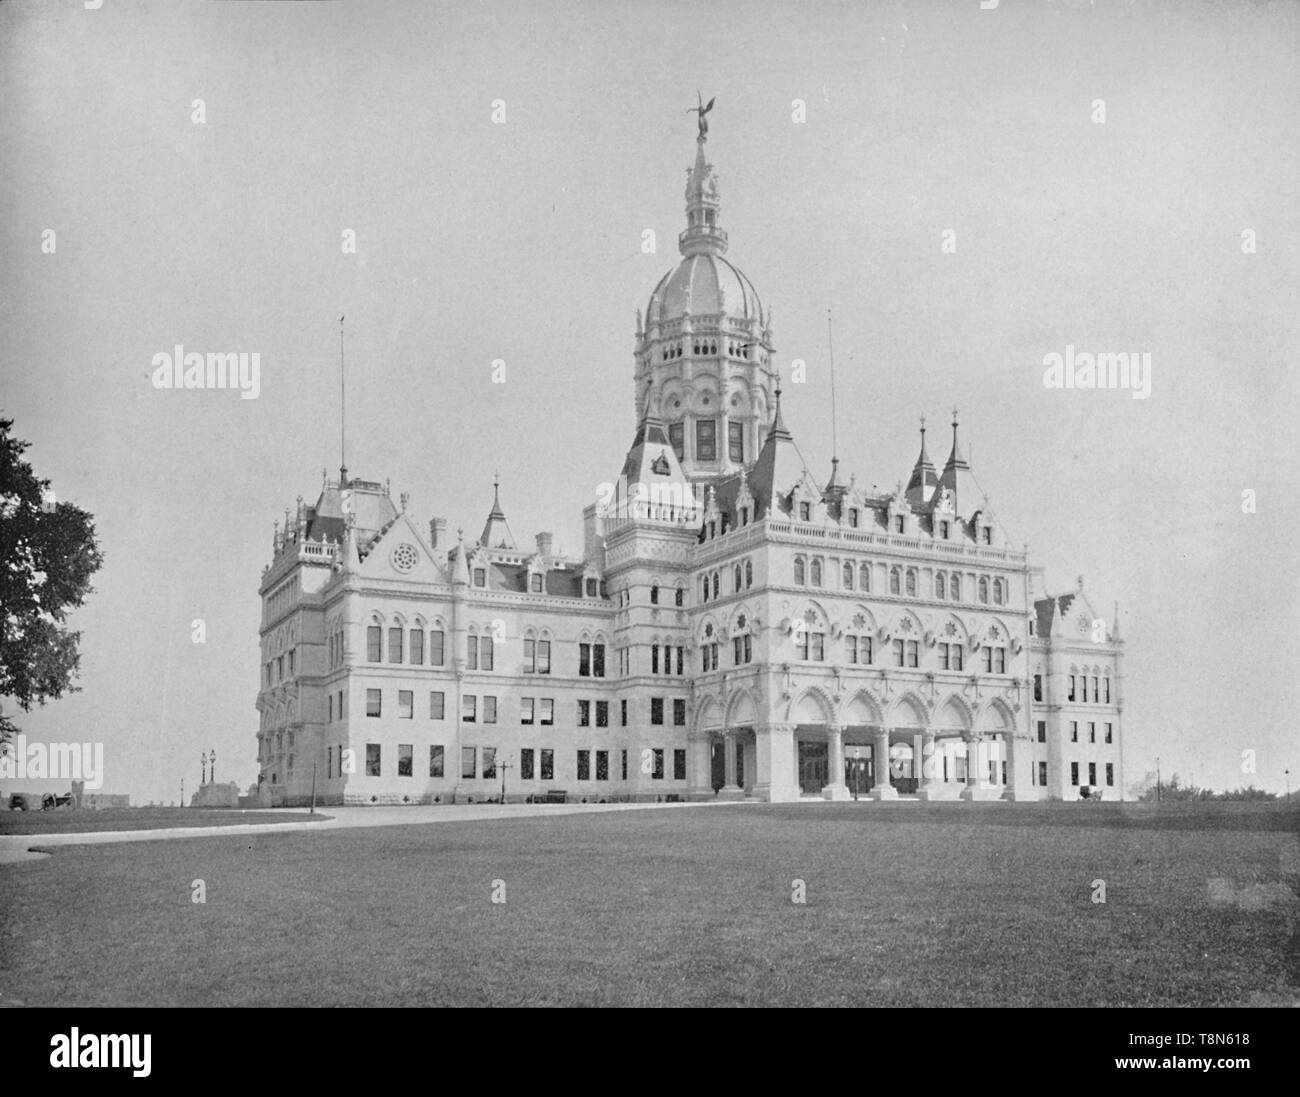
[(212, 775), (504, 766), (203, 768)]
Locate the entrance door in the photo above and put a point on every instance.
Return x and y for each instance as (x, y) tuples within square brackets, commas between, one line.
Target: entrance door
[(813, 767), (718, 757)]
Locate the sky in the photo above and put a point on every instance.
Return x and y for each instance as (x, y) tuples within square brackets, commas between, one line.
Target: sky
[(499, 165)]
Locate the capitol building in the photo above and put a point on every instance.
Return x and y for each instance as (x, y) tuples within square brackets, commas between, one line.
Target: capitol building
[(736, 627)]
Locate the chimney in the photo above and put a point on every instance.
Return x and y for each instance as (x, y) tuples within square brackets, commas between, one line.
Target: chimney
[(544, 541), (437, 526)]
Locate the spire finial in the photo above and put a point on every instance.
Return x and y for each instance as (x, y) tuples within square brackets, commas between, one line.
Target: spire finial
[(830, 346), (343, 415), (923, 427)]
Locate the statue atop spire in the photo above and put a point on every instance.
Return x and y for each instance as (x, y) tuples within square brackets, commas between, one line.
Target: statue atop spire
[(702, 111)]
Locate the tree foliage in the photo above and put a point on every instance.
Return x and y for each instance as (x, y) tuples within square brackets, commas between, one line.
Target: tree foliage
[(48, 554)]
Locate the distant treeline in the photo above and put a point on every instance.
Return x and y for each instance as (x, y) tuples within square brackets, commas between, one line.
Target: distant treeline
[(1174, 790)]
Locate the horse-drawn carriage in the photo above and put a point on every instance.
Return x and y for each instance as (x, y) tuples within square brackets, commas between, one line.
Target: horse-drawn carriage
[(27, 801)]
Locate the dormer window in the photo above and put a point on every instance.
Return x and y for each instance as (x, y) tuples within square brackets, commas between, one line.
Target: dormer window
[(853, 517), (480, 577), (805, 512), (535, 583), (593, 588), (943, 530), (900, 523), (744, 516), (988, 535)]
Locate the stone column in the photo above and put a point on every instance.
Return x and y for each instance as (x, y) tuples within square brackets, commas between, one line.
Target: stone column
[(1015, 790), (835, 788), (882, 790), (699, 769), (730, 789), (774, 763), (974, 778), (931, 784)]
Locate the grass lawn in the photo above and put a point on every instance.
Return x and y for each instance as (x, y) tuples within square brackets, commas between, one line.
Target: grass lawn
[(82, 822), (907, 904)]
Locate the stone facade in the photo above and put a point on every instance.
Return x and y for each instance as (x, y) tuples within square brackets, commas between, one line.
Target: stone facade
[(734, 627)]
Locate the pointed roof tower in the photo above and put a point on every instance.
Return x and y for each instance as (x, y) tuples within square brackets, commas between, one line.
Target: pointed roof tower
[(496, 534), (656, 486), (779, 467), (924, 478), (958, 479), (702, 234)]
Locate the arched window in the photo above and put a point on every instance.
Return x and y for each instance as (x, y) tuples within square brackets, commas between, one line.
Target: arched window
[(681, 595), (984, 589), (911, 582), (704, 588), (955, 587), (798, 571), (895, 581), (654, 594), (864, 578), (736, 577), (999, 594), (940, 586), (848, 576), (815, 572), (749, 573), (717, 588)]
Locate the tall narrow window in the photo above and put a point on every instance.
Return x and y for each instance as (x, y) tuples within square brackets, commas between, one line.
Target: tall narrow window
[(911, 582), (530, 656), (469, 709), (486, 653), (654, 594), (394, 645), (471, 651), (864, 578), (848, 576), (526, 764), (436, 760), (706, 440), (468, 768), (895, 581), (584, 660), (372, 760), (374, 702), (548, 765), (677, 438), (547, 715), (815, 572), (749, 573), (736, 442), (940, 586), (543, 657), (798, 571), (405, 705), (374, 636), (437, 705), (405, 759), (416, 649), (598, 660), (435, 648)]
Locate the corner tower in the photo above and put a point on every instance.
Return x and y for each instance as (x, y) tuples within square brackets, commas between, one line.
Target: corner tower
[(704, 349)]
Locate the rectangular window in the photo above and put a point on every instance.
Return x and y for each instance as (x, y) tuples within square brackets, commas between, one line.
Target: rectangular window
[(1110, 773), (624, 765), (1042, 731), (436, 761), (469, 709), (374, 637), (668, 659), (1074, 731), (394, 645), (489, 762), (913, 650), (291, 654), (679, 764), (677, 439), (598, 660), (1070, 695), (525, 710), (535, 583), (658, 773), (468, 766), (622, 713), (547, 715), (405, 760), (543, 657), (706, 440), (437, 705), (548, 765), (1042, 774), (405, 704), (853, 517), (865, 650), (340, 705), (850, 649), (656, 710), (489, 710), (372, 760), (943, 656), (1110, 731), (602, 765), (898, 653), (1092, 732), (435, 649), (899, 526), (480, 577), (988, 660), (530, 656), (1092, 774), (584, 765), (1107, 696), (654, 658), (416, 651), (486, 653), (471, 653), (1038, 687), (679, 712), (999, 660), (584, 714), (1074, 773), (957, 657), (374, 702), (818, 646), (736, 442), (584, 660), (526, 764), (602, 714)]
